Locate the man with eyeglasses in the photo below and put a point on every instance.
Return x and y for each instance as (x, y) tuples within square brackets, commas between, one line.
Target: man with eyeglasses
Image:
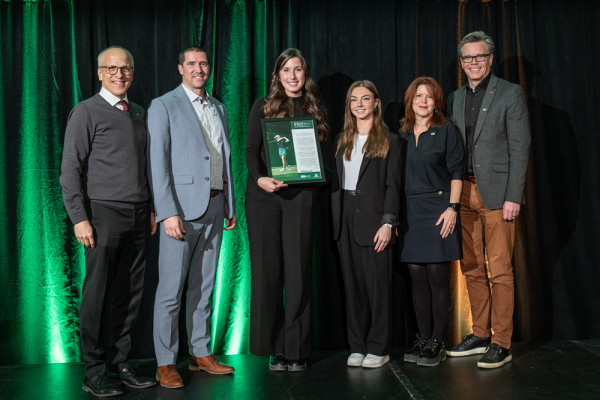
[(192, 183), (107, 196), (492, 116)]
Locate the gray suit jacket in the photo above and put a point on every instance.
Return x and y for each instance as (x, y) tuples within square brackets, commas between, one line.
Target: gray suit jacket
[(501, 141), (179, 159)]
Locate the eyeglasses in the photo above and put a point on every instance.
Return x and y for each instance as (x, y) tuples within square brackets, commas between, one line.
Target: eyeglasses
[(112, 69), (478, 58)]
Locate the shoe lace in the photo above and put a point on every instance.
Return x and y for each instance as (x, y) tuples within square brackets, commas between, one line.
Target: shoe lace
[(419, 343), (469, 338), (493, 349), (432, 345)]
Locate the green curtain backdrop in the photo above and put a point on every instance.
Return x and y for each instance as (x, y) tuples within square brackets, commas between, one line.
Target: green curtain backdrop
[(47, 65), (41, 264), (42, 269)]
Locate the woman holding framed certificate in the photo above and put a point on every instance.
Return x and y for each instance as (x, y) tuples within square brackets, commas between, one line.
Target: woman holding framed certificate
[(365, 207), (280, 220)]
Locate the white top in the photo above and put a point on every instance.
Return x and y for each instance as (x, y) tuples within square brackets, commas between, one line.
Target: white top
[(352, 167), (111, 98), (212, 128)]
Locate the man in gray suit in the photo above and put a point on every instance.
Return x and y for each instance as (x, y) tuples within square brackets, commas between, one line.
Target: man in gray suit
[(492, 116), (191, 179)]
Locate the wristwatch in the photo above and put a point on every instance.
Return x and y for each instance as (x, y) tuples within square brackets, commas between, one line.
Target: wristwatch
[(388, 225), (454, 207)]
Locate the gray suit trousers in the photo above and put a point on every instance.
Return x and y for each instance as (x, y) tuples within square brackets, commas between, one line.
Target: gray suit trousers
[(195, 258)]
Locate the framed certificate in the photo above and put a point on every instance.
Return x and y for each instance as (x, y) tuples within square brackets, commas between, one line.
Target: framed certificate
[(292, 150)]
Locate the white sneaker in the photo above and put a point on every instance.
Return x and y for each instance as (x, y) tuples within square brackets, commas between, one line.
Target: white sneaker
[(355, 359), (282, 169), (373, 361)]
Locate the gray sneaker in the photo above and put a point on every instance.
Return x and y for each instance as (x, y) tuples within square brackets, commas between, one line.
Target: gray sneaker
[(470, 345)]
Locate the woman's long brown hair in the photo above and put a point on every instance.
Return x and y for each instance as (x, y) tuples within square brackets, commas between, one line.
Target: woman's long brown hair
[(279, 104), (377, 144)]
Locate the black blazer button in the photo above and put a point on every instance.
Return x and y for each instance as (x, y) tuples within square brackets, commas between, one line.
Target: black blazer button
[(357, 211)]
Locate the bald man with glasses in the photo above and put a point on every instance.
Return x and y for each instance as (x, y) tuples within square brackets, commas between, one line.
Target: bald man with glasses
[(107, 196)]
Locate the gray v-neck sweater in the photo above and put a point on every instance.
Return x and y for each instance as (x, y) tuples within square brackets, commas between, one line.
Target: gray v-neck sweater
[(104, 157)]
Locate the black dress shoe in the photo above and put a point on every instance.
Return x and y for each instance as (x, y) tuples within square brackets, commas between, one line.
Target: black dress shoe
[(129, 376), (278, 363), (296, 365), (100, 386)]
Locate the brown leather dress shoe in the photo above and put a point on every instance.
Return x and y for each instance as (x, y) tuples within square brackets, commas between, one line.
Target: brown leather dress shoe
[(168, 377), (210, 364)]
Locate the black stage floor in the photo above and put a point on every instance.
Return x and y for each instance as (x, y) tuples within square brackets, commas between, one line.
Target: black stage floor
[(553, 370)]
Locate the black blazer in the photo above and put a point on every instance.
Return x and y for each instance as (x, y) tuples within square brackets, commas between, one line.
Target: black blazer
[(379, 189)]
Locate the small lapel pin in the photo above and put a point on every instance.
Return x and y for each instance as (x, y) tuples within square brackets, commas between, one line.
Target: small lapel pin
[(432, 133), (485, 109)]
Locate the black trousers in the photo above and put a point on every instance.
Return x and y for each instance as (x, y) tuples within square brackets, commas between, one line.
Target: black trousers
[(367, 280), (112, 288), (280, 233)]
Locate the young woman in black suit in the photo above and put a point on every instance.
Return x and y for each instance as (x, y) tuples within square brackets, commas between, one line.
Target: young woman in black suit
[(280, 221), (365, 206), (431, 235)]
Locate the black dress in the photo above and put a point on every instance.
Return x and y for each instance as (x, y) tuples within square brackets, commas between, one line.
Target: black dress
[(430, 166)]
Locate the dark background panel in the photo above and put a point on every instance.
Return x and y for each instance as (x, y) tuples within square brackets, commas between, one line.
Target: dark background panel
[(549, 47)]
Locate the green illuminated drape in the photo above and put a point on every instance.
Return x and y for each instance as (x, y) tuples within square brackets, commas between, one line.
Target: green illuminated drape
[(41, 271), (42, 264)]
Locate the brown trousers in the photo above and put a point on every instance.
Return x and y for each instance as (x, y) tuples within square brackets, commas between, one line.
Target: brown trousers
[(492, 296)]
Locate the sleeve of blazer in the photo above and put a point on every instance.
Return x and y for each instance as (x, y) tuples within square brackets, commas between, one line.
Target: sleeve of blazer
[(159, 160), (519, 138), (450, 106), (230, 210), (393, 182)]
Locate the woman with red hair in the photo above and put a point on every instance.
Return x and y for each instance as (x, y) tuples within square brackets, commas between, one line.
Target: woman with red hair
[(431, 231)]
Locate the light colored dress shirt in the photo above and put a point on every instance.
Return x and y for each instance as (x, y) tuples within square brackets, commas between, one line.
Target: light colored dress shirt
[(111, 98), (212, 128), (352, 167)]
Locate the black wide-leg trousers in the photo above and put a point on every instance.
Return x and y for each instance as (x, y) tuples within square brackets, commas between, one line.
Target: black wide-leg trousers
[(112, 287), (280, 233), (367, 281)]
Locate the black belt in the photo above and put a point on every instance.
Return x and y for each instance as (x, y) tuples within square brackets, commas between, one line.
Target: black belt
[(352, 192)]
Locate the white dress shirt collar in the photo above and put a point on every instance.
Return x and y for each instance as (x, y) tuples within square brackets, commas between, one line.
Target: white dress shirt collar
[(194, 96), (111, 98)]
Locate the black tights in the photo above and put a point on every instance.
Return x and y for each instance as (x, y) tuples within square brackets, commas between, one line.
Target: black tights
[(431, 297)]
